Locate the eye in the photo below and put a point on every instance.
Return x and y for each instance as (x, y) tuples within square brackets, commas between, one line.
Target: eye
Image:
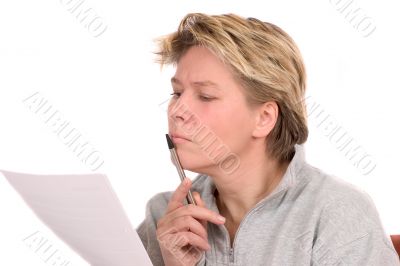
[(202, 97), (175, 94), (205, 98)]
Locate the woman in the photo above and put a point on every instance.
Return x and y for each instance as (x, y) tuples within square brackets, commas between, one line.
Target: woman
[(237, 117)]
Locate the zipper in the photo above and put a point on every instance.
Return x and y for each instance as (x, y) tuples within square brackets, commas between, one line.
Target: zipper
[(230, 249), (254, 209), (231, 255)]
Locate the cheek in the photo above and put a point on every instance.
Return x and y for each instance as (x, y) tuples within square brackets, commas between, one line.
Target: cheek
[(230, 123)]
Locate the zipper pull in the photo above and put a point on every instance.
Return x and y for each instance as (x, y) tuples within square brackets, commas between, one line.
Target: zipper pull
[(231, 254)]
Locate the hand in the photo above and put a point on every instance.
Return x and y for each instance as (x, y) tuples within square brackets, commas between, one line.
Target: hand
[(182, 231)]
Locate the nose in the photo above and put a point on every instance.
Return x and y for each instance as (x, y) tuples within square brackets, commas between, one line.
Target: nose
[(181, 117), (179, 109)]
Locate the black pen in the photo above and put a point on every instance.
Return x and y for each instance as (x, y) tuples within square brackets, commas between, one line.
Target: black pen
[(177, 163)]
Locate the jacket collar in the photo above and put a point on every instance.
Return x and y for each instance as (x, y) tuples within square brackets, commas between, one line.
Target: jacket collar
[(288, 180)]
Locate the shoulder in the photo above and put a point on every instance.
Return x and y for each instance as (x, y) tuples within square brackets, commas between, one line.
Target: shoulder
[(336, 203), (347, 222), (331, 190), (345, 210)]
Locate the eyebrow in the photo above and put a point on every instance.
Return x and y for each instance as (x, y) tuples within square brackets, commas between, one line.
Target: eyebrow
[(205, 83)]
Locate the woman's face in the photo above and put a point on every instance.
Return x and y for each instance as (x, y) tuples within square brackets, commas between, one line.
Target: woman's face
[(209, 109)]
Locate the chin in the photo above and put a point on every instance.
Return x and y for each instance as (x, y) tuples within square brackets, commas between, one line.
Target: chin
[(194, 163), (191, 165)]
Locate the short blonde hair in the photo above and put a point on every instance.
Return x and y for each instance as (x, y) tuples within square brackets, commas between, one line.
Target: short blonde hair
[(263, 58)]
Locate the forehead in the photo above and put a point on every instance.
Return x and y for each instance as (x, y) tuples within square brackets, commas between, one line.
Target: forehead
[(201, 67), (197, 83)]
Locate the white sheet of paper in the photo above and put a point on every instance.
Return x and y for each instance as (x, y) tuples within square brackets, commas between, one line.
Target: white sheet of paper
[(83, 211)]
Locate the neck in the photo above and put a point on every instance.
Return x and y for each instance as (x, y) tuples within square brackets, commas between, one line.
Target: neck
[(240, 191)]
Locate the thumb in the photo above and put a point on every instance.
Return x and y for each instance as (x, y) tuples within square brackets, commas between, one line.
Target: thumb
[(202, 204)]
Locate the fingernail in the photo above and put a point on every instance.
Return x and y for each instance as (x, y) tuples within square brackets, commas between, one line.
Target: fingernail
[(221, 218)]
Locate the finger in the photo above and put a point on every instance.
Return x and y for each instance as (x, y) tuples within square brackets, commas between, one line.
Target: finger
[(181, 240), (189, 224), (185, 224), (185, 238), (179, 194), (200, 203), (196, 212), (198, 199)]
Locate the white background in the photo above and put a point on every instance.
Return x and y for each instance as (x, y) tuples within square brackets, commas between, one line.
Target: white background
[(109, 88)]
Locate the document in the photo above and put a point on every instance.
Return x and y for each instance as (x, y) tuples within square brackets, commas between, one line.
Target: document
[(83, 211)]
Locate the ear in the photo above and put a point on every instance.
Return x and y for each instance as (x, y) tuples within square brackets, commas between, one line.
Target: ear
[(265, 119)]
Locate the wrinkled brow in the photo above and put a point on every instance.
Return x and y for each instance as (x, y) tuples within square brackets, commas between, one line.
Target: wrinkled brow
[(197, 84)]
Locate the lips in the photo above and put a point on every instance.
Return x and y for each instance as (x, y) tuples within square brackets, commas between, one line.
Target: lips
[(175, 135)]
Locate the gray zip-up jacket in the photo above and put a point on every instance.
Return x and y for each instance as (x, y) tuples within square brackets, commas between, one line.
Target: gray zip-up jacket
[(310, 218)]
